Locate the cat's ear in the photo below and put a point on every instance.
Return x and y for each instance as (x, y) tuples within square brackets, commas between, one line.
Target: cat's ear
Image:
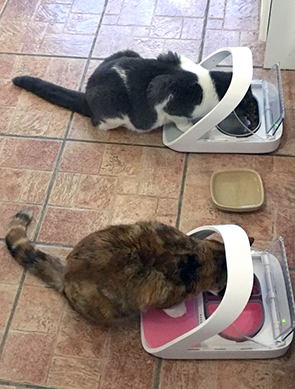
[(169, 58), (158, 89), (251, 240), (217, 243), (179, 88)]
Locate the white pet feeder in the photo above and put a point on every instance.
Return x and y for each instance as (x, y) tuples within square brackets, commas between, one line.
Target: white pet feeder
[(222, 130), (206, 331)]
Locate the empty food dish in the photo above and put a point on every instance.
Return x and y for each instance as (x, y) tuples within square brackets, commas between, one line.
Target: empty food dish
[(237, 190)]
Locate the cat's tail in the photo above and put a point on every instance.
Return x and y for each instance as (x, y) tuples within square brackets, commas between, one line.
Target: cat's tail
[(55, 94), (46, 267)]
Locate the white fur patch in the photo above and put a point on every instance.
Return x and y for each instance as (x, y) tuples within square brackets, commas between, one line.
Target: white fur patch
[(177, 311), (111, 123), (162, 115), (210, 97), (122, 74)]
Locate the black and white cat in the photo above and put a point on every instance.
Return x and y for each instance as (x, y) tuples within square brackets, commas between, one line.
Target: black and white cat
[(140, 94)]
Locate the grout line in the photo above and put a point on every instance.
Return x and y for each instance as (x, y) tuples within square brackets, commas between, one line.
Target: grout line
[(4, 8), (159, 362), (180, 198), (103, 142), (52, 180), (12, 312), (18, 54), (97, 30), (66, 21), (41, 137), (64, 140), (204, 31), (48, 244), (224, 12), (48, 138), (37, 137), (27, 386)]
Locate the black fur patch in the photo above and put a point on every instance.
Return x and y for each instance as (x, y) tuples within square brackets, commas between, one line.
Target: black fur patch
[(13, 250), (188, 271), (24, 217), (221, 266), (222, 291), (221, 81), (26, 256), (182, 87), (39, 255), (30, 257)]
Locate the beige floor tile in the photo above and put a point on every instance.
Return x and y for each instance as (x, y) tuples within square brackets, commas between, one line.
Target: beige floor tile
[(243, 375), (26, 357), (132, 368), (73, 373), (7, 296), (38, 310), (78, 338), (69, 226), (188, 375)]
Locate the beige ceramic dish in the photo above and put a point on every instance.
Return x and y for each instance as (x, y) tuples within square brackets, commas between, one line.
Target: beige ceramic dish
[(237, 190)]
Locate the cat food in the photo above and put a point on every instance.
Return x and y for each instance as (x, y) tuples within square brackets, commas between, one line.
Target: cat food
[(238, 190), (242, 122)]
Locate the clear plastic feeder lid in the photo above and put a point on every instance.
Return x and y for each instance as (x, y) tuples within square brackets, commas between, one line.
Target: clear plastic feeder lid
[(263, 108), (273, 100), (281, 299)]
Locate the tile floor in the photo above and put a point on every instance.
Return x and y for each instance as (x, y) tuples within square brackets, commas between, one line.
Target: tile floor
[(78, 179)]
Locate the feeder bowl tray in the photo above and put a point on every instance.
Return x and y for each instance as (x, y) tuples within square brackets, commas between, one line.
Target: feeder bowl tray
[(237, 190), (226, 128), (250, 320), (237, 124)]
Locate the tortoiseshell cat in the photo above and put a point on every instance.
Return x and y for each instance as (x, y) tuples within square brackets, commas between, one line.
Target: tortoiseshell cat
[(122, 270)]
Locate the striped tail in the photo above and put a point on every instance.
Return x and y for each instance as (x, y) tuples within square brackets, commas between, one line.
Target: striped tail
[(46, 267)]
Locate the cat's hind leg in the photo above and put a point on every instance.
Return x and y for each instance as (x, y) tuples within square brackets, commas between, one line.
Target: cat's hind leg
[(85, 298), (109, 124)]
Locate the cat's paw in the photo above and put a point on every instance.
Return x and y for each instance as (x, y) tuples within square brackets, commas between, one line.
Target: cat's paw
[(184, 127), (214, 292), (177, 311)]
